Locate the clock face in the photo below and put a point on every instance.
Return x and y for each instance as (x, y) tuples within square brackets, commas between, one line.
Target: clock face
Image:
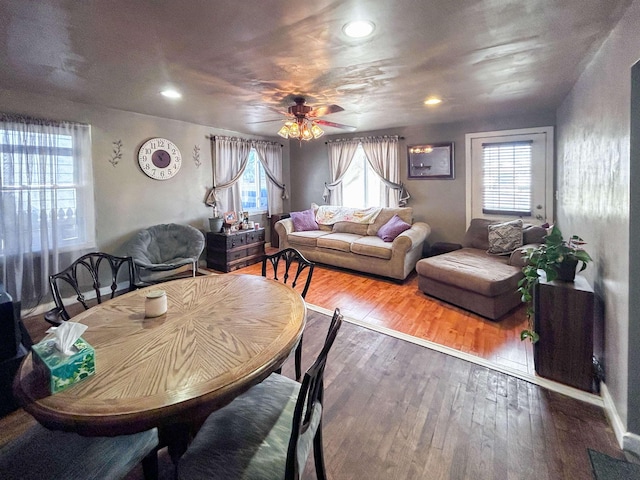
[(159, 158)]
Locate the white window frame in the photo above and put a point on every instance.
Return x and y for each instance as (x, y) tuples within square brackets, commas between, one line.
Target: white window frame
[(548, 162)]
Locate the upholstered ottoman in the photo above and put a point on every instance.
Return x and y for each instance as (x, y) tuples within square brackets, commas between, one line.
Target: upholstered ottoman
[(472, 279)]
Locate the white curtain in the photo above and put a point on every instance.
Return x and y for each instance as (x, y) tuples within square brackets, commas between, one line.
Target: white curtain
[(270, 156), (382, 154), (230, 156), (46, 209), (341, 153)]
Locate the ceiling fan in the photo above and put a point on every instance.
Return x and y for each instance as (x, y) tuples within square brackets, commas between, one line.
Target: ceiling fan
[(303, 121)]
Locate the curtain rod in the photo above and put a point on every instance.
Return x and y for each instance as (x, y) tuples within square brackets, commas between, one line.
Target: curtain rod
[(360, 138), (213, 137)]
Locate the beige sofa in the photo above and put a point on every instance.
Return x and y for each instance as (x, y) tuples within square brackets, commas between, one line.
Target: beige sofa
[(475, 280), (355, 246)]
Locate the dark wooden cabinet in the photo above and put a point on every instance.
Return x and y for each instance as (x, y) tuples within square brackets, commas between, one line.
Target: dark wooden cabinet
[(564, 319), (275, 239), (228, 252)]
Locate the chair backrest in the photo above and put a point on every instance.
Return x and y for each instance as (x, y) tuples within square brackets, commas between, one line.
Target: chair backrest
[(287, 258), (92, 268), (308, 410), (160, 244)]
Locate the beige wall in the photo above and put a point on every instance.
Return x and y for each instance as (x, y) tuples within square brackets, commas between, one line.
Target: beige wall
[(440, 203), (593, 178), (126, 200)]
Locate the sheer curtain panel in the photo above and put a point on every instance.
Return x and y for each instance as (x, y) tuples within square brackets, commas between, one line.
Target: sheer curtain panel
[(341, 154), (382, 154), (46, 208)]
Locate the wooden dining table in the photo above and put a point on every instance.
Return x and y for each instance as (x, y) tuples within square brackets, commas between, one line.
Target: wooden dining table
[(221, 335)]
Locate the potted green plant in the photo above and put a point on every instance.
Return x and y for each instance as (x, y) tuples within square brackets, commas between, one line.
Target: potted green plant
[(559, 260)]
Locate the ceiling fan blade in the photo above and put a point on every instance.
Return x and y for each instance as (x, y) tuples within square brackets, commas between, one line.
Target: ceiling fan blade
[(322, 110), (267, 121), (335, 125)]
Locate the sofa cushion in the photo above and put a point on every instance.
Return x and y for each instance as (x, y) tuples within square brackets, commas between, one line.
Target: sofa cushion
[(505, 237), (304, 221), (337, 241), (477, 235), (405, 214), (533, 234), (472, 269), (351, 227), (372, 247), (394, 227), (307, 238)]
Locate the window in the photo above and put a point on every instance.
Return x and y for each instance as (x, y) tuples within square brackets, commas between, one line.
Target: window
[(506, 178), (510, 173), (253, 185), (361, 186), (44, 196)]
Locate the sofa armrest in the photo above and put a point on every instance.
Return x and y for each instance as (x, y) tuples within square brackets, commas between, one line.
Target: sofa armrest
[(284, 226), (516, 258), (413, 237)]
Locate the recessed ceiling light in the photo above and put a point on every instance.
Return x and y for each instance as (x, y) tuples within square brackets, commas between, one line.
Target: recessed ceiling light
[(171, 93), (358, 29), (433, 101)]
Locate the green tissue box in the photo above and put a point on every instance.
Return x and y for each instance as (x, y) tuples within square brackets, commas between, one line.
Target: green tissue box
[(61, 370)]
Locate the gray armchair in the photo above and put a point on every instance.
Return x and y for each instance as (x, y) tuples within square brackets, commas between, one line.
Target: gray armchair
[(162, 251)]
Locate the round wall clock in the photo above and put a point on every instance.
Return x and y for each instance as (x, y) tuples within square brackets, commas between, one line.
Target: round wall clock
[(159, 158)]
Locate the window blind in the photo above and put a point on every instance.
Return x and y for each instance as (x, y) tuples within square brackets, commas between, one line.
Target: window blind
[(507, 178)]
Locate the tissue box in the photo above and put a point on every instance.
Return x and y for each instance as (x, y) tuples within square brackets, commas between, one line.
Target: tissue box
[(61, 370)]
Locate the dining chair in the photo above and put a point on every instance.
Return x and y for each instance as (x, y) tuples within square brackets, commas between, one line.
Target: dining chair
[(293, 268), (92, 272), (42, 454), (267, 432)]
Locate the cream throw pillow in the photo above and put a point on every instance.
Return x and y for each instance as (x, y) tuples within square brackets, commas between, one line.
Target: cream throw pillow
[(504, 238)]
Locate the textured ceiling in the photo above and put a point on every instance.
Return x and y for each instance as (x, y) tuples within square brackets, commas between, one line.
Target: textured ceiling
[(235, 61)]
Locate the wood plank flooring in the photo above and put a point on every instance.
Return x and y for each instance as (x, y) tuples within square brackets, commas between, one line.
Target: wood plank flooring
[(404, 308), (394, 409)]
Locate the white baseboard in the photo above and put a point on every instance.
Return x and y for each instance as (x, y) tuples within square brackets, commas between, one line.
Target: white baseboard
[(612, 414)]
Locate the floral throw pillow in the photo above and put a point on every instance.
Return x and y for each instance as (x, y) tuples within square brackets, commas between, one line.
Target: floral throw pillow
[(304, 221), (504, 238), (394, 227)]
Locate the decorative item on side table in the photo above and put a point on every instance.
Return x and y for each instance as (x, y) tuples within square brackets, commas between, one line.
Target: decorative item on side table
[(216, 221), (558, 259), (433, 161)]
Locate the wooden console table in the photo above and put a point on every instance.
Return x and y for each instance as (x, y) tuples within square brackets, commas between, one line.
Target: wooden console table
[(564, 319), (228, 252), (276, 217)]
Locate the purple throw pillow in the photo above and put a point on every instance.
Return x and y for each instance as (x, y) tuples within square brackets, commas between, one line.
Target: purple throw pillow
[(394, 227), (304, 221)]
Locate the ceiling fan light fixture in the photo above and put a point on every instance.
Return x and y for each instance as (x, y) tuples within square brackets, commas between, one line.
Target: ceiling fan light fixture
[(284, 131), (294, 130), (316, 130), (358, 28)]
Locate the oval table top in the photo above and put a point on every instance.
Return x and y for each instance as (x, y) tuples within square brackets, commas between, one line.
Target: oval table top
[(221, 335)]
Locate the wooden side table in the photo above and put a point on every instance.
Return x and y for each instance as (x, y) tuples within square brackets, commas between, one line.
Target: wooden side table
[(228, 252), (275, 239), (564, 319)]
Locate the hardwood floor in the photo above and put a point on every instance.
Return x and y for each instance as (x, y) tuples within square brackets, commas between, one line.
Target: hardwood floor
[(394, 409), (404, 308)]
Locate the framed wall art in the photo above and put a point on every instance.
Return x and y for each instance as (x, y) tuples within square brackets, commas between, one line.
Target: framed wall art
[(431, 160)]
